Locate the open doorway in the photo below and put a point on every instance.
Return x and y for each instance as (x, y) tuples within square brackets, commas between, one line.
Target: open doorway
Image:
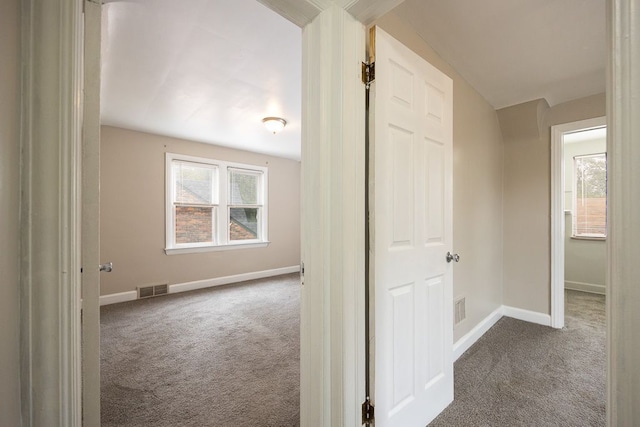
[(579, 216), (196, 193)]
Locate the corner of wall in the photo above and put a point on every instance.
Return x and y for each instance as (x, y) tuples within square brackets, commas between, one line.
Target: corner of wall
[(523, 121)]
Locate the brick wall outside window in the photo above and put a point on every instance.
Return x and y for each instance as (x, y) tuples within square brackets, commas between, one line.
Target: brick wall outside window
[(193, 224)]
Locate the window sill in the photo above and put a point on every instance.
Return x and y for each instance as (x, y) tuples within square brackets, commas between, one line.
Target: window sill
[(602, 239), (230, 247)]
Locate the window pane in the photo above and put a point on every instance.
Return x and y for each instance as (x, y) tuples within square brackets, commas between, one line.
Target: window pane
[(591, 195), (243, 187), (243, 223), (194, 224), (194, 182)]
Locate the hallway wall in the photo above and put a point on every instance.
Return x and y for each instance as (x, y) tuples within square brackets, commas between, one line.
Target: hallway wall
[(477, 187)]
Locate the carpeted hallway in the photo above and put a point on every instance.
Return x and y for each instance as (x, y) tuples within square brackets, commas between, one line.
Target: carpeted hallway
[(224, 356), (521, 374), (229, 356)]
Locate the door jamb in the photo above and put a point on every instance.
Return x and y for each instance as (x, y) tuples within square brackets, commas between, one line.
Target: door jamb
[(557, 212)]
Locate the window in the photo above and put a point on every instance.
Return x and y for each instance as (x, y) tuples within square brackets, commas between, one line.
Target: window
[(214, 205), (590, 196)]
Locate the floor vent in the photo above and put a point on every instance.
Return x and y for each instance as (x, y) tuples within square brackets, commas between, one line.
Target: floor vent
[(152, 291), (459, 311)]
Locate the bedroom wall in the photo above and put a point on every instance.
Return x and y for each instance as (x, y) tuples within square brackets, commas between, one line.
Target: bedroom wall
[(9, 212), (526, 129), (132, 223), (477, 184)]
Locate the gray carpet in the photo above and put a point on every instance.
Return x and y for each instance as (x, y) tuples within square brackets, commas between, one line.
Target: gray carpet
[(520, 374), (229, 356), (224, 356)]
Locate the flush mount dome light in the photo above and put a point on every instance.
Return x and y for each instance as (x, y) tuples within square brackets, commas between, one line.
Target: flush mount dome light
[(274, 124)]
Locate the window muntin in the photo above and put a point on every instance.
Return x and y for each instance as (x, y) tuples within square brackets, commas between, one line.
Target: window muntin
[(590, 196), (214, 204)]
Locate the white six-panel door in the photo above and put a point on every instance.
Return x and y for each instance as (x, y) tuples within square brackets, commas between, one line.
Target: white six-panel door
[(412, 216)]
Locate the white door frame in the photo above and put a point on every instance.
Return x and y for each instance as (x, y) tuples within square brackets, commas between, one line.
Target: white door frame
[(557, 212), (50, 202), (332, 318)]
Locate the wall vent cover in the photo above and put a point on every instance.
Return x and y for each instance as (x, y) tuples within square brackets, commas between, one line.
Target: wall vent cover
[(459, 310), (152, 291)]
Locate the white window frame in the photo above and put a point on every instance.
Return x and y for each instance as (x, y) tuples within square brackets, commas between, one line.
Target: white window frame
[(574, 201), (221, 236)]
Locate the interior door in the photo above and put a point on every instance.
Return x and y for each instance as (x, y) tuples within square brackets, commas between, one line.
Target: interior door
[(412, 215), (91, 216)]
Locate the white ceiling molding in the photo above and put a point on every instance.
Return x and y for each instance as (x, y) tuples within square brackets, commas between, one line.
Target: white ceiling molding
[(367, 11), (300, 12)]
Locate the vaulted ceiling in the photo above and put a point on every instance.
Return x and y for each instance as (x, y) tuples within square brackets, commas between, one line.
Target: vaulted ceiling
[(210, 70)]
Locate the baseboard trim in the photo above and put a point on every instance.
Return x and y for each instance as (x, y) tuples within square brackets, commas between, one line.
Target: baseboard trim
[(470, 338), (526, 315), (201, 284), (119, 297), (218, 281), (585, 287)]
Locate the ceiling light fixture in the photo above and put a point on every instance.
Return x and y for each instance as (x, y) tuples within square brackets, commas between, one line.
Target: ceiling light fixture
[(274, 124)]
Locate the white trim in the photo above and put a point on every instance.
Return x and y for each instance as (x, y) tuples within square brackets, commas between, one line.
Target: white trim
[(201, 284), (527, 315), (207, 283), (228, 247), (119, 297), (470, 338), (332, 188), (558, 212), (585, 287), (623, 194), (219, 204)]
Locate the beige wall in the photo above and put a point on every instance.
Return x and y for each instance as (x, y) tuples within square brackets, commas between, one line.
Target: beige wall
[(9, 211), (132, 218), (477, 183), (527, 181)]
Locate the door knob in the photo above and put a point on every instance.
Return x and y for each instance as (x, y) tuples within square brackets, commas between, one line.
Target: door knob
[(107, 268), (452, 257)]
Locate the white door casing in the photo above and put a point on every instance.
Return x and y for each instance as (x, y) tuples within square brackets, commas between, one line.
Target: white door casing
[(557, 212), (412, 205)]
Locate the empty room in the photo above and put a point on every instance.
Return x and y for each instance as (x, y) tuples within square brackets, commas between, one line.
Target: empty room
[(199, 214), (393, 250)]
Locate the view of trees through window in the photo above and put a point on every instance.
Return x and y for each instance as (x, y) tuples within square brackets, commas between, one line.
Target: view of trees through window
[(590, 214), (244, 206)]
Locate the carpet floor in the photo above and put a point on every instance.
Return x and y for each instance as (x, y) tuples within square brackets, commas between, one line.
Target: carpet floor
[(224, 356), (229, 356), (521, 374)]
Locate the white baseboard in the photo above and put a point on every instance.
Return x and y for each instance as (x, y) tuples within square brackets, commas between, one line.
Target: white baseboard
[(585, 287), (200, 284), (120, 297), (466, 341), (470, 338), (526, 315)]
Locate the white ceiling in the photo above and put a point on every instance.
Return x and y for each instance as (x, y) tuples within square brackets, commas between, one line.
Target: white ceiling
[(210, 70), (203, 70), (513, 51)]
